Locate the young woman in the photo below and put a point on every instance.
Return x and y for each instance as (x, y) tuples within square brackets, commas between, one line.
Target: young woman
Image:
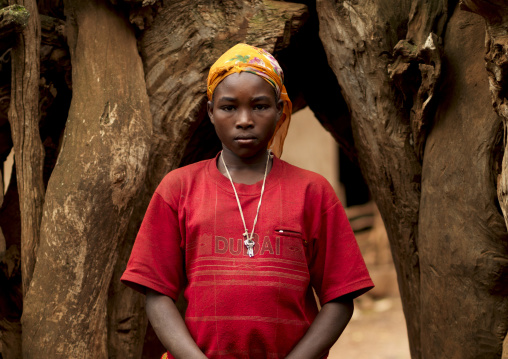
[(246, 235)]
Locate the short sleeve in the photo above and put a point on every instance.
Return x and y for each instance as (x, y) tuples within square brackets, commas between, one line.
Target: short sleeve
[(337, 267), (156, 260)]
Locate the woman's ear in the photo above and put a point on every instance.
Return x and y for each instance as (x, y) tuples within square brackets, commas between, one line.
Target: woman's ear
[(209, 108), (280, 108)]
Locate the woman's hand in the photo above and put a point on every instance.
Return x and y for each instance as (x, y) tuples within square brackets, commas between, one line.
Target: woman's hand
[(325, 330), (170, 326)]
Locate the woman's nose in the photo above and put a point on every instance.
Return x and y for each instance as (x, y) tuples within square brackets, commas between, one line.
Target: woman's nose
[(244, 119)]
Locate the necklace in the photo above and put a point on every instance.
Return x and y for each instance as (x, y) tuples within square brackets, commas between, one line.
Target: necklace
[(248, 239)]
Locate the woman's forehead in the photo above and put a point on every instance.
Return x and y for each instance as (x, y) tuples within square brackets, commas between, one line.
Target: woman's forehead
[(244, 83)]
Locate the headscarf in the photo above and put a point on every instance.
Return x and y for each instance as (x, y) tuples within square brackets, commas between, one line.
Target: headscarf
[(243, 57)]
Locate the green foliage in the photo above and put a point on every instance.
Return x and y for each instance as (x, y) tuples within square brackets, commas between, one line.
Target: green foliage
[(19, 14)]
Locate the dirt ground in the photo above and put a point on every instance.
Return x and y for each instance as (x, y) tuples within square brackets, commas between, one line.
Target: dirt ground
[(378, 332)]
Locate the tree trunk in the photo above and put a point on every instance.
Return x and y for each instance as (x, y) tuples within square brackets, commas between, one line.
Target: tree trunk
[(359, 39), (127, 319), (449, 246), (28, 150), (100, 169), (462, 235), (495, 13), (317, 88)]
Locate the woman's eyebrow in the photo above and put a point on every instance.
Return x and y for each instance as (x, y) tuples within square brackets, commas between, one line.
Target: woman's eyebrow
[(261, 98), (255, 98), (227, 98)]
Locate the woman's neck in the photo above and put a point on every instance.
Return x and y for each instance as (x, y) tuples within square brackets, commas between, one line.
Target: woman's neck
[(244, 170)]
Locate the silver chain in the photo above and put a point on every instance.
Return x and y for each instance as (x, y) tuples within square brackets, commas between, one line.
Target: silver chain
[(249, 242)]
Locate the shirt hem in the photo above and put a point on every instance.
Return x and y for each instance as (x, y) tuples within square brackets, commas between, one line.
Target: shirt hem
[(140, 284), (358, 288)]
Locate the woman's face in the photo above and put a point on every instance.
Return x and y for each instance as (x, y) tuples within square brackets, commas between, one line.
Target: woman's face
[(244, 112)]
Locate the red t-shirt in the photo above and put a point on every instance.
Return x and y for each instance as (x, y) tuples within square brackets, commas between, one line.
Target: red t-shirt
[(238, 306)]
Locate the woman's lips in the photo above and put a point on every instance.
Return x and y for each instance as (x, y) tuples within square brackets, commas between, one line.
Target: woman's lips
[(244, 140)]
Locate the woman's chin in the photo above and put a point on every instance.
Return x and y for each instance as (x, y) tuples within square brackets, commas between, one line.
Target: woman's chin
[(247, 152)]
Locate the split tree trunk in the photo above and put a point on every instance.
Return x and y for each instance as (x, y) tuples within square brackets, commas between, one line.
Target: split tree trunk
[(359, 39), (101, 168), (449, 246)]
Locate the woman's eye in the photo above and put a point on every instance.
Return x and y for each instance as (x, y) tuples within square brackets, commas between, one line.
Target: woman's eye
[(228, 108), (260, 107)]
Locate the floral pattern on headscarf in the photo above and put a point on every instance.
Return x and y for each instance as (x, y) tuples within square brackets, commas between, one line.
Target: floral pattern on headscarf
[(243, 57)]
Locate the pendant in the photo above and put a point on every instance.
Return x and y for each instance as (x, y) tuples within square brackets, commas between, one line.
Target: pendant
[(249, 243)]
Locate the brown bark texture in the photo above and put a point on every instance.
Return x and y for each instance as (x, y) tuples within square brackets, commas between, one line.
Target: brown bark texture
[(318, 88), (450, 254), (462, 235), (101, 166), (28, 150), (359, 39), (10, 262), (495, 14)]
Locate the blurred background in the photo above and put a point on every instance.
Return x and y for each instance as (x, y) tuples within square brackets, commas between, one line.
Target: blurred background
[(377, 329)]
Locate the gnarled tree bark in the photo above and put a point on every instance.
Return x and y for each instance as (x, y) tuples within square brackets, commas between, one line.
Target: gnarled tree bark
[(99, 172), (24, 121), (390, 76), (28, 150), (462, 235), (495, 13), (359, 39)]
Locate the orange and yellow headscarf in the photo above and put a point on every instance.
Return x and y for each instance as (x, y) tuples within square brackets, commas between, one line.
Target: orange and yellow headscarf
[(242, 57)]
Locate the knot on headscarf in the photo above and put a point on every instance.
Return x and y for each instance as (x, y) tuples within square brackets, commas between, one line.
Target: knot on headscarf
[(243, 57)]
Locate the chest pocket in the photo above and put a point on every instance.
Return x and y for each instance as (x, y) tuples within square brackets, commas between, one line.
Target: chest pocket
[(292, 243)]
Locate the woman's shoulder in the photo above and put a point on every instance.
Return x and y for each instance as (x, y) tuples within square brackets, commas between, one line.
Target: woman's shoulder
[(187, 171), (318, 194), (304, 176), (183, 176)]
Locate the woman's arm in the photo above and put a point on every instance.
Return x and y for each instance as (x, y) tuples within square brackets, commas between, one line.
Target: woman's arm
[(325, 330), (170, 326)]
